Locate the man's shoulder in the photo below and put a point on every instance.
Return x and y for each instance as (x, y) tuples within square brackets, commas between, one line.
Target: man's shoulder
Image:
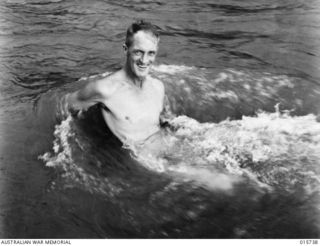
[(110, 79), (107, 85), (158, 84)]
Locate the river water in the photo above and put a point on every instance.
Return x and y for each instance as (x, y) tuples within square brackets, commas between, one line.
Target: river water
[(242, 158)]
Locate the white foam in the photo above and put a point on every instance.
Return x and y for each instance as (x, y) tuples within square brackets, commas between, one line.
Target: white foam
[(95, 76), (261, 148), (171, 69)]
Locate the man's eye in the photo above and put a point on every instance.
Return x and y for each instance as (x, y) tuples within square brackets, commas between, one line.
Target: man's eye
[(137, 52), (152, 53)]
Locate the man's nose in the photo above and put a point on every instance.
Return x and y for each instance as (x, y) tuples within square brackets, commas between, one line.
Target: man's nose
[(144, 58)]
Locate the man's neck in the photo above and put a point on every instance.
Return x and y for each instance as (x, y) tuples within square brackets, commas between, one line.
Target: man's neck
[(131, 78)]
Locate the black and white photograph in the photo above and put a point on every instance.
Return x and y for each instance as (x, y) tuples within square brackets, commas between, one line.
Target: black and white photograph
[(159, 119)]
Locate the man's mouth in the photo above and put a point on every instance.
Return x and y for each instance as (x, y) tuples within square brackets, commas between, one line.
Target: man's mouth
[(142, 67)]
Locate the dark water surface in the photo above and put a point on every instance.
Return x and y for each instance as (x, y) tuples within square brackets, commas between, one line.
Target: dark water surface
[(240, 173)]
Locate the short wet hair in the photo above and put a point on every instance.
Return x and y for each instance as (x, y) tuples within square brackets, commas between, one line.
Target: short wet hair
[(140, 25)]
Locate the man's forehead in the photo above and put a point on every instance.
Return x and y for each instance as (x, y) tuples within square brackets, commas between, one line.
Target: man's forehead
[(144, 38)]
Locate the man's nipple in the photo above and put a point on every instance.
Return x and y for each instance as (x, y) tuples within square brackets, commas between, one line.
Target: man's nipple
[(127, 118)]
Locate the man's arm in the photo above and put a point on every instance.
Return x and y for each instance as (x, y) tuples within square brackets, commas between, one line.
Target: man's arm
[(91, 94)]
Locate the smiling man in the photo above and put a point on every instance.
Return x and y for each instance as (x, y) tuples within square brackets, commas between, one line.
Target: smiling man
[(132, 100)]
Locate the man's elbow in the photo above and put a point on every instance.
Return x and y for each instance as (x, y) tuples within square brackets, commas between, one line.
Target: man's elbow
[(79, 102), (72, 100), (71, 104)]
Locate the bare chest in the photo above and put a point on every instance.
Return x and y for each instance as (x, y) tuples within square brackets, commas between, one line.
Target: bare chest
[(134, 105)]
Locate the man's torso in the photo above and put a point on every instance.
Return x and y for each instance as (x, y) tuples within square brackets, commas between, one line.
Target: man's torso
[(132, 113)]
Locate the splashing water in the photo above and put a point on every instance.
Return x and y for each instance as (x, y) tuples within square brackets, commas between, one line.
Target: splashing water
[(65, 148), (241, 175), (212, 95), (273, 150)]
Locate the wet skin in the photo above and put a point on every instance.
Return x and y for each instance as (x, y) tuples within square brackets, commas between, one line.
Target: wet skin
[(132, 99)]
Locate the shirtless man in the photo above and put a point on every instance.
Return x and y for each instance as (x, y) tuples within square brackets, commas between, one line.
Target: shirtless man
[(132, 100)]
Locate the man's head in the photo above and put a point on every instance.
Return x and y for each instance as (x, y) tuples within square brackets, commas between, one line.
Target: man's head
[(137, 26), (141, 47)]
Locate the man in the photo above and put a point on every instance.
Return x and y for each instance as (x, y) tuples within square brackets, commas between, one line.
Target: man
[(132, 100)]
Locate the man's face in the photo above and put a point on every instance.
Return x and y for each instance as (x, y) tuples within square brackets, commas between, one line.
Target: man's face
[(142, 53)]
